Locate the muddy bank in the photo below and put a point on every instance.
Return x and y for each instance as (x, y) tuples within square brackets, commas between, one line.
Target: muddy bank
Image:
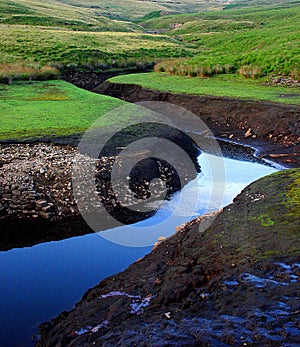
[(37, 200), (90, 79), (236, 284), (272, 128)]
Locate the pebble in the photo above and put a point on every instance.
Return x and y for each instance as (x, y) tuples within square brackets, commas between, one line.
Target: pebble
[(37, 178)]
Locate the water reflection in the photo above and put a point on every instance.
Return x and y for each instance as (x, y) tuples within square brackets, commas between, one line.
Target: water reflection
[(39, 282)]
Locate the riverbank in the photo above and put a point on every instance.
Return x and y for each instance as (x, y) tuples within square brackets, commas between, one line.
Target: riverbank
[(37, 202), (226, 286), (273, 129)]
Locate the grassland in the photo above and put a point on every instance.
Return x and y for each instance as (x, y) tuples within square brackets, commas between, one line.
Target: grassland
[(253, 40), (221, 85), (51, 109), (79, 48), (81, 12), (263, 40), (57, 14)]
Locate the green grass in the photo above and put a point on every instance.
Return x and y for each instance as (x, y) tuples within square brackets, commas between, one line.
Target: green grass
[(78, 13), (62, 47), (260, 37), (221, 85), (50, 109)]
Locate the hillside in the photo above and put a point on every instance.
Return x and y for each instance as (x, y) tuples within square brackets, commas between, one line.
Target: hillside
[(259, 39), (57, 14), (262, 40), (74, 13)]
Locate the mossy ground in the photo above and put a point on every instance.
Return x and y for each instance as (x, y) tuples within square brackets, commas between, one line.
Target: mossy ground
[(264, 221)]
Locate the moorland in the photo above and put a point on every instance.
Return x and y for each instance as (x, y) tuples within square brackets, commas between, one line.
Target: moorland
[(240, 61)]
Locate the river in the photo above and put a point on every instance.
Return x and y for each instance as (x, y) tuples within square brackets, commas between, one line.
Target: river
[(39, 282)]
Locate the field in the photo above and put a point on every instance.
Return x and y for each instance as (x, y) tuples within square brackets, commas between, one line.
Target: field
[(79, 12), (257, 41), (254, 41), (51, 109), (40, 39), (221, 85), (79, 48)]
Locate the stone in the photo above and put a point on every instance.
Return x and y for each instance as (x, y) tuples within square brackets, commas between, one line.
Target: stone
[(248, 133), (45, 215), (41, 203), (46, 209)]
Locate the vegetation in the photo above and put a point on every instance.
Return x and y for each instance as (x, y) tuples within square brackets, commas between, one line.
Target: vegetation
[(220, 85), (254, 41), (77, 13), (96, 50), (10, 72), (51, 109)]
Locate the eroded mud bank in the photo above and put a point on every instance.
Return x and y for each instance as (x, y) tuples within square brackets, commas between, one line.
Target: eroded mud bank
[(272, 128)]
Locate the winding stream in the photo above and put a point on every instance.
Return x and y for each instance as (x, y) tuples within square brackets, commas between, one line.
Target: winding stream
[(39, 282)]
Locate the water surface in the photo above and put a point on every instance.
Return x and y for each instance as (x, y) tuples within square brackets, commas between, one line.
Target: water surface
[(39, 282)]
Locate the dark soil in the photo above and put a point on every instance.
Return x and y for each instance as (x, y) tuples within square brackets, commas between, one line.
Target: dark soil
[(236, 284), (90, 79), (272, 129)]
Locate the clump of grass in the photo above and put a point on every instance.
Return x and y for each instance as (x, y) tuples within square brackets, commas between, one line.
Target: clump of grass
[(248, 71), (295, 74), (22, 72), (182, 68)]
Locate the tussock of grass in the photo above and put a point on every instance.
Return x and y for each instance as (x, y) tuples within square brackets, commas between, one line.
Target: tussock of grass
[(23, 71)]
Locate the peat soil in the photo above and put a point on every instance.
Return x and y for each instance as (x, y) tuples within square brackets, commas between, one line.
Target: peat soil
[(271, 129), (235, 284)]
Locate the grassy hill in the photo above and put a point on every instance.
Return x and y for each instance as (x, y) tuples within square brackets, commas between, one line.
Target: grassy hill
[(95, 50), (57, 14), (255, 40), (258, 40), (94, 14), (133, 9)]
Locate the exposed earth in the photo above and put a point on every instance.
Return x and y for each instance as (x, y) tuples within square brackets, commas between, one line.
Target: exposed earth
[(273, 129)]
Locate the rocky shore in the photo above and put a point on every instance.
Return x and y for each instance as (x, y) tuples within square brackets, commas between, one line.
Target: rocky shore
[(37, 203), (236, 284)]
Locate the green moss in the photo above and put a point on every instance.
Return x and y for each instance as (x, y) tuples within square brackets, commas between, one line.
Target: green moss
[(271, 252), (293, 193), (265, 220)]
